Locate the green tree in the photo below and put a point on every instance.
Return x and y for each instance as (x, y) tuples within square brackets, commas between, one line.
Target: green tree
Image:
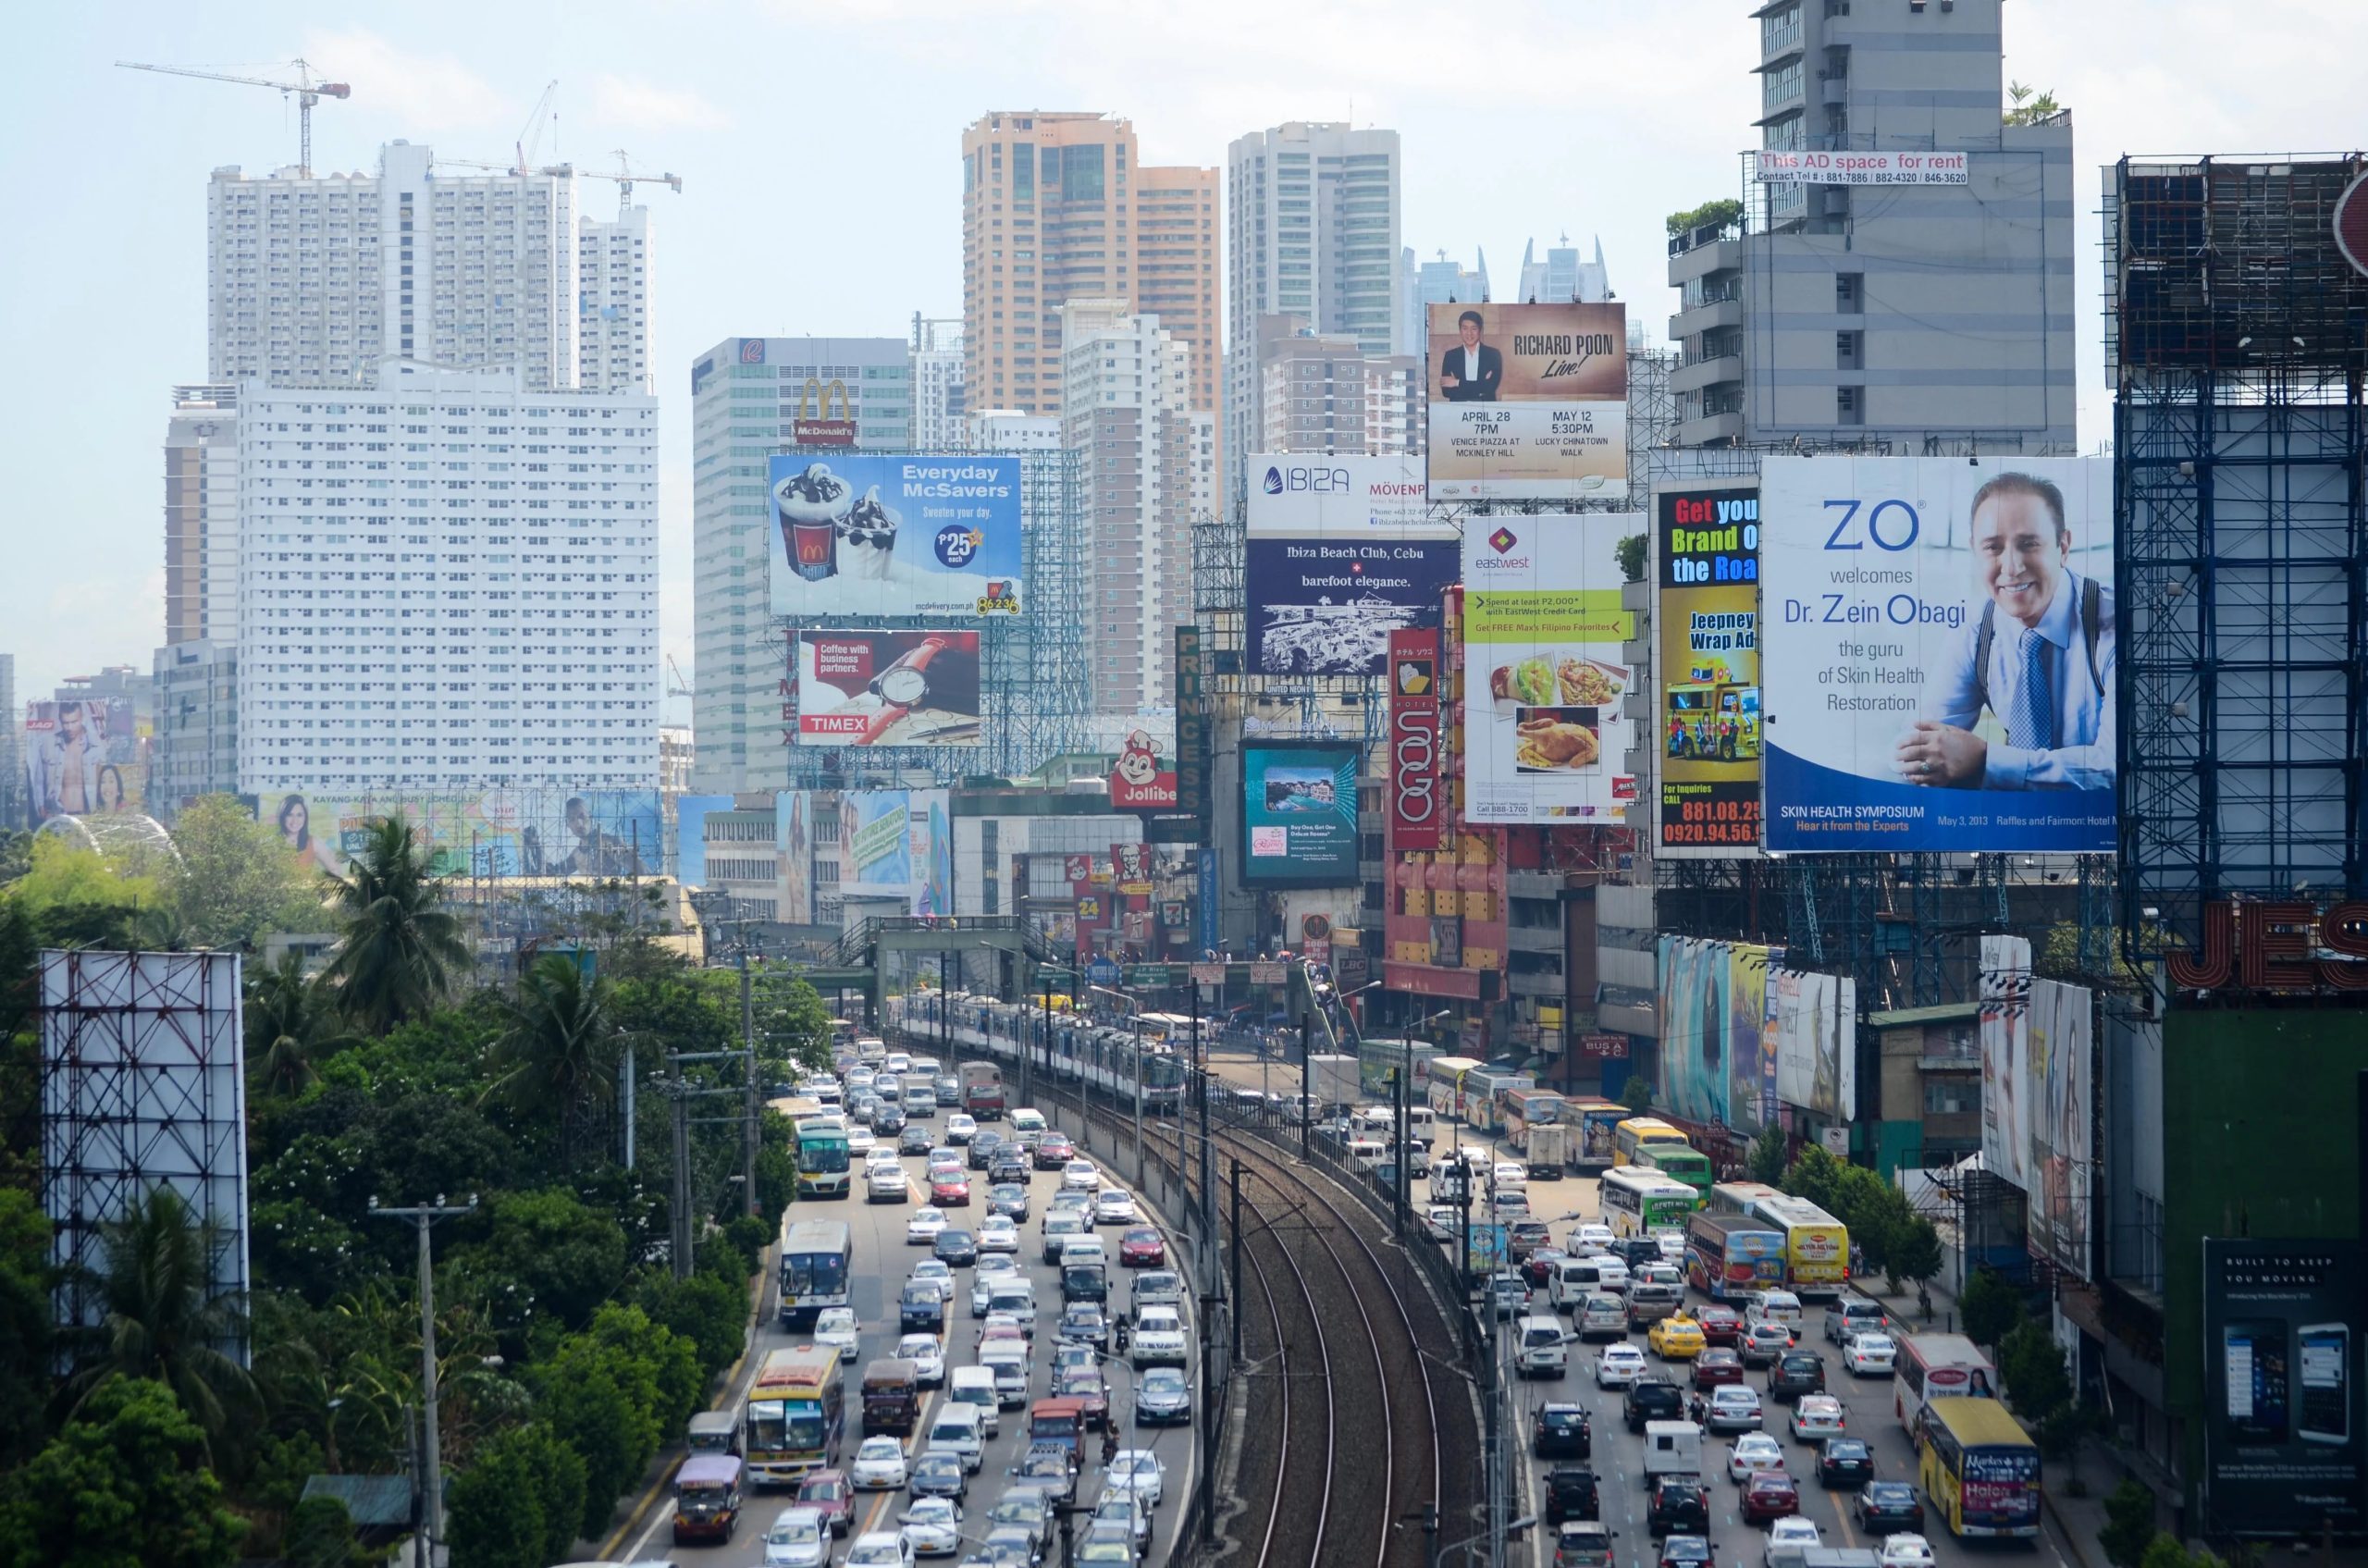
[(709, 1309), (1632, 553), (124, 1485), (236, 881), (518, 1503), (2030, 106), (1723, 213), (1916, 1252), (2165, 1552), (291, 1024), (157, 1321), (589, 1394), (1766, 1159), (25, 1317), (567, 1256), (1992, 1306), (319, 1535), (2130, 1524), (1814, 1174), (559, 1049), (74, 899), (2032, 1363), (402, 951)]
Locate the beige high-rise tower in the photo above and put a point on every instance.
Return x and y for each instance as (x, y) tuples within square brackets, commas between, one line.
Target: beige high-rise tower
[(1056, 207)]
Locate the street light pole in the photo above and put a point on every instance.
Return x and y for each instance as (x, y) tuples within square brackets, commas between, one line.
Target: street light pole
[(432, 1491)]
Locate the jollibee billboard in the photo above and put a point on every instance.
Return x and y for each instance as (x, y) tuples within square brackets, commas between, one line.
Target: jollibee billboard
[(1941, 654)]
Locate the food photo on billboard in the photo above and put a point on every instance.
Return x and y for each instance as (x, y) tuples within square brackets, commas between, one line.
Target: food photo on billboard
[(1528, 401), (862, 534), (887, 688), (1943, 632), (1299, 814)]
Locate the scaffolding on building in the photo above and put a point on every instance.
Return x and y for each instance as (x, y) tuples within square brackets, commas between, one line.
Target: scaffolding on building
[(2238, 332)]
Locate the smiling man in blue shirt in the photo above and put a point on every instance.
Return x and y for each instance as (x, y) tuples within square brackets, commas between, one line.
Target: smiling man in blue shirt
[(2040, 658)]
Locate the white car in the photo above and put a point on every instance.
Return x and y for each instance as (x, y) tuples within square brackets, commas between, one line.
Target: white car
[(1446, 1222), (1159, 1338), (879, 1466), (997, 1233), (835, 1328), (960, 1128), (1114, 1207), (798, 1539), (992, 1269), (1618, 1367), (1509, 1175), (1906, 1551), (885, 1184), (1081, 1176), (931, 1527), (1733, 1408), (1590, 1240), (862, 1140), (879, 1549), (1673, 1245), (936, 1270), (1136, 1472), (1753, 1452), (1818, 1417), (927, 1355), (1787, 1538), (926, 1224), (1870, 1355)]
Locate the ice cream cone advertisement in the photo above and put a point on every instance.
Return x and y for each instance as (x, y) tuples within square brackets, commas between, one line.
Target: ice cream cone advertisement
[(861, 534)]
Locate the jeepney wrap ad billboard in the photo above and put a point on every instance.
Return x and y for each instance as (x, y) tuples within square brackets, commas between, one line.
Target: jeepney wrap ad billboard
[(1327, 607), (1299, 814), (1417, 797), (1296, 495), (1528, 403), (2060, 1094), (1943, 630), (933, 536), (2282, 1430), (1544, 737), (1706, 547), (2003, 1030), (886, 688)]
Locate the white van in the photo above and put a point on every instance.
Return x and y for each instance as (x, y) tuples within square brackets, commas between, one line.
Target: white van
[(1671, 1448), (976, 1385), (1541, 1348), (1365, 1153), (1774, 1306), (1575, 1280), (959, 1429), (1008, 1360), (1027, 1119), (1078, 1251)]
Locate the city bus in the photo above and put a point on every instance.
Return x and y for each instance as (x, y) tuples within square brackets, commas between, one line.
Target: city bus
[(1521, 1109), (1679, 1162), (1817, 1245), (1637, 1202), (816, 1260), (1736, 1197), (1938, 1367), (1730, 1255), (1447, 1085), (822, 1158), (1591, 1119), (1378, 1057), (1166, 1028), (1980, 1469), (796, 1416), (1635, 1130), (1482, 1087)]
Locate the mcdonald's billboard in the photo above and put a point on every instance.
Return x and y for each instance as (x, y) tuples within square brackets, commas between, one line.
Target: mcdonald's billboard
[(814, 426), (927, 537)]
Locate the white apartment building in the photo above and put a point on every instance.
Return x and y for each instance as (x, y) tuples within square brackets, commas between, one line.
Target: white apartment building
[(613, 266), (939, 401), (202, 516), (1008, 429), (446, 582), (1143, 458), (1322, 393), (1312, 215)]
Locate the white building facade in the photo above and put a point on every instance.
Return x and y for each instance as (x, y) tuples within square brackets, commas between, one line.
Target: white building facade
[(613, 268)]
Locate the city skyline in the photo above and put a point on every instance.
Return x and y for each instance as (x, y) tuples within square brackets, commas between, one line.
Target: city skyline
[(91, 584)]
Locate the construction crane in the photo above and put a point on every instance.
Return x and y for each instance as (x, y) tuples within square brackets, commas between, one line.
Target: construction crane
[(625, 180), (308, 88)]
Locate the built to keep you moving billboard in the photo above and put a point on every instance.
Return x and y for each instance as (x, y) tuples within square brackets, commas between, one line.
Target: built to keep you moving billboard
[(1528, 403), (2282, 1428), (1943, 633), (929, 537)]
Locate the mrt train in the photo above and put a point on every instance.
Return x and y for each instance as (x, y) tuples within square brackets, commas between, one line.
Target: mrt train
[(1105, 1056)]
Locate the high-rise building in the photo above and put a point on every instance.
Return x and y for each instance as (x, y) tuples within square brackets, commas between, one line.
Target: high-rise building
[(1435, 282), (1319, 392), (1312, 217), (482, 612), (1143, 456), (1560, 276), (1005, 429), (612, 271), (195, 749), (202, 514), (1055, 206), (12, 760), (938, 401), (745, 396), (1917, 313)]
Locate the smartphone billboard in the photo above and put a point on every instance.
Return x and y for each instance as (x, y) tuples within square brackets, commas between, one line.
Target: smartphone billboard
[(2282, 1324)]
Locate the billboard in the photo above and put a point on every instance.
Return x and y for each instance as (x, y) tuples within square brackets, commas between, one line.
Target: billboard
[(83, 758), (690, 835), (2003, 1030), (1861, 168), (892, 843), (1327, 607), (1141, 780), (1417, 801), (494, 832), (861, 534), (1944, 630), (1544, 737), (1528, 403), (1191, 733), (2061, 1095), (1815, 1030), (886, 688), (1706, 550), (2283, 1324), (1299, 496), (1299, 814), (1716, 1063)]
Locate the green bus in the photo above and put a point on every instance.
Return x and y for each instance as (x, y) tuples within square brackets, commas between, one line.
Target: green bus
[(1679, 1162)]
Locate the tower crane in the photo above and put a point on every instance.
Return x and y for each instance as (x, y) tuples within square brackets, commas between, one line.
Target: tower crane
[(308, 88), (625, 180)]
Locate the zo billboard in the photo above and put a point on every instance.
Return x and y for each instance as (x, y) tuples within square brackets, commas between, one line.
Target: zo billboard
[(1327, 605), (886, 688), (925, 537), (1528, 403), (1943, 632), (1294, 495), (1706, 550), (1417, 801)]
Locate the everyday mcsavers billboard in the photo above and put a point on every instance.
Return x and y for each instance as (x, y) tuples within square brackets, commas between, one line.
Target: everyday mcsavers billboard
[(1943, 632), (1544, 739), (887, 688), (1528, 401), (904, 535), (1416, 800), (1705, 545)]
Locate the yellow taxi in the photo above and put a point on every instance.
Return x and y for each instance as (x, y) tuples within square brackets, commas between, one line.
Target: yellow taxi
[(1676, 1338)]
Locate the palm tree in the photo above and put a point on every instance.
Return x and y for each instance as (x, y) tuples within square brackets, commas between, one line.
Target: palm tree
[(401, 951), (291, 1024), (156, 1319), (560, 1047)]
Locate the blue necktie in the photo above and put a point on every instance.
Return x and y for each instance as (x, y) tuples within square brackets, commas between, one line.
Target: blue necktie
[(2030, 725)]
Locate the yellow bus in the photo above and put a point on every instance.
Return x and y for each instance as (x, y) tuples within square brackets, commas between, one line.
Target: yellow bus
[(795, 1414), (1980, 1469), (1642, 1130)]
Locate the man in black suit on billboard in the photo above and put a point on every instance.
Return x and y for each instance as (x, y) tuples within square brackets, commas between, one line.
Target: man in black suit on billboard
[(1470, 371)]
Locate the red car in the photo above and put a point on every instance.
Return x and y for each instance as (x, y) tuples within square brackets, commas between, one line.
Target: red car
[(1053, 1151), (1720, 1325), (949, 1192), (1141, 1248), (1717, 1365), (827, 1492), (1539, 1267), (1771, 1495)]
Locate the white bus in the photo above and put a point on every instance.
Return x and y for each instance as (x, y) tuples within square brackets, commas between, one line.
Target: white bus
[(1482, 1108), (1447, 1085), (817, 1262), (1637, 1202)]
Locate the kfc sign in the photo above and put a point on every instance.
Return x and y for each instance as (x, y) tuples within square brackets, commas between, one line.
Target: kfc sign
[(1415, 795)]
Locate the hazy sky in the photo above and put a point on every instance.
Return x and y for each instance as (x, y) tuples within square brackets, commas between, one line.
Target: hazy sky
[(819, 143)]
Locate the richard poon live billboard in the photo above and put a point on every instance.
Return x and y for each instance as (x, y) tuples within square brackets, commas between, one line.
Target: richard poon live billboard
[(1528, 401), (1941, 632)]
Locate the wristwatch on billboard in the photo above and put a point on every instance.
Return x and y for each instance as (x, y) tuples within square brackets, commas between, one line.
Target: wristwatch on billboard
[(901, 688)]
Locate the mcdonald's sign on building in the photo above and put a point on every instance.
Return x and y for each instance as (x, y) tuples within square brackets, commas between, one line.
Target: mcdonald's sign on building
[(814, 427)]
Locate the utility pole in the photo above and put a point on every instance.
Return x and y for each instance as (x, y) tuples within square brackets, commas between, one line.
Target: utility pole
[(629, 1104), (431, 1525), (1398, 1183), (748, 1133), (1237, 1258), (680, 1210), (1306, 1091)]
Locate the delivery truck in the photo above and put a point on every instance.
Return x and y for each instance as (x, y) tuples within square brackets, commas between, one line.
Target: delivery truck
[(1547, 1151), (1334, 1082)]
